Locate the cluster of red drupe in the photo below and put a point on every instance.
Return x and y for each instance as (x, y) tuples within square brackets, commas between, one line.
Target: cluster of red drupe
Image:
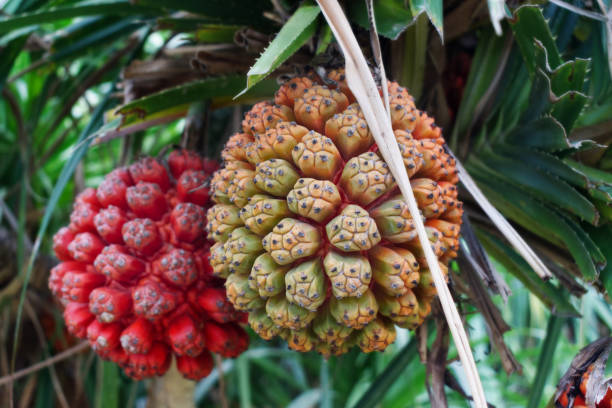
[(134, 275)]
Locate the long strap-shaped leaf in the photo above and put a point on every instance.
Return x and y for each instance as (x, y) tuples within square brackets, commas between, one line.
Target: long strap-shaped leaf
[(502, 224), (364, 88)]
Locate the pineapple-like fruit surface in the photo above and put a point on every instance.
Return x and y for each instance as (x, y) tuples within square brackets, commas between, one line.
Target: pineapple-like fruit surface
[(311, 231)]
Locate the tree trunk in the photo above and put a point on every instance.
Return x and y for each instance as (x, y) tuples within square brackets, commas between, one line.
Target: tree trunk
[(171, 391)]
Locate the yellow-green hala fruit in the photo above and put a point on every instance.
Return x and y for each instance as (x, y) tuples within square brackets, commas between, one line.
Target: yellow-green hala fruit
[(312, 233)]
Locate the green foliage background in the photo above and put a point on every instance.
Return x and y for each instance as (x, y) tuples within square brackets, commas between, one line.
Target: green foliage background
[(532, 123)]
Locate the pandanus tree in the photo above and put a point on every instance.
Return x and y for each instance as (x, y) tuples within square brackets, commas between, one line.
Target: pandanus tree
[(179, 178)]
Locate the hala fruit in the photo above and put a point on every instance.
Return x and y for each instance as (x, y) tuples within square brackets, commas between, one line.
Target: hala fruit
[(315, 241), (135, 279)]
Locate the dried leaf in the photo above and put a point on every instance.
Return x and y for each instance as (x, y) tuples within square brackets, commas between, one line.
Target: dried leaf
[(496, 326), (436, 361), (473, 249), (364, 88)]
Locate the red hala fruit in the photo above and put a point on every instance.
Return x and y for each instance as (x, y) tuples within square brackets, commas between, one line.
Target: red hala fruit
[(134, 276), (181, 160), (77, 318), (185, 337), (61, 240), (118, 356), (154, 299), (109, 222), (82, 217), (195, 368), (216, 305), (192, 187), (112, 189), (150, 170), (177, 266), (116, 263), (109, 304), (103, 337), (136, 338), (188, 221), (85, 247), (87, 196), (56, 277), (76, 286), (141, 236), (146, 200), (155, 362), (227, 340)]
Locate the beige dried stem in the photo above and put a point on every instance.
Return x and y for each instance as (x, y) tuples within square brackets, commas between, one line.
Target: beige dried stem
[(172, 390), (361, 83)]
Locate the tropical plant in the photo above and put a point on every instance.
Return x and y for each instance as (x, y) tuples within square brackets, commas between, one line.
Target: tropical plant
[(523, 93)]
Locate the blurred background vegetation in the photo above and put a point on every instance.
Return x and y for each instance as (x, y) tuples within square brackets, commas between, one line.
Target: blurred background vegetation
[(89, 86)]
